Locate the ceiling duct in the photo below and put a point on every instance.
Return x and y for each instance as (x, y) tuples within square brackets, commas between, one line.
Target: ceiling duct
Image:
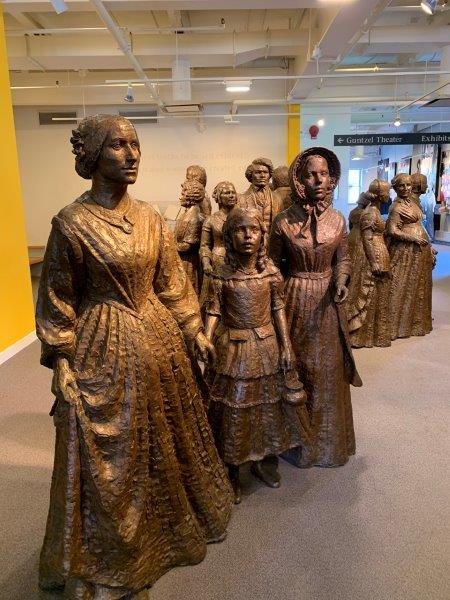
[(181, 90), (437, 103)]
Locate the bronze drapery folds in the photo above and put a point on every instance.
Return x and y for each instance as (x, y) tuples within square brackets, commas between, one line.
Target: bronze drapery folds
[(369, 289), (259, 195), (138, 486), (311, 237), (212, 249), (354, 237), (250, 415), (412, 262), (188, 231)]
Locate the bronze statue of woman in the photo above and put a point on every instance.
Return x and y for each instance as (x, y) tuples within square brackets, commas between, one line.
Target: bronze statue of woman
[(212, 248), (368, 300), (354, 237), (412, 262), (138, 487), (311, 237)]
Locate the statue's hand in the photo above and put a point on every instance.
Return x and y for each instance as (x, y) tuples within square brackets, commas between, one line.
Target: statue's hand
[(341, 293), (207, 267), (64, 382), (287, 358), (205, 348)]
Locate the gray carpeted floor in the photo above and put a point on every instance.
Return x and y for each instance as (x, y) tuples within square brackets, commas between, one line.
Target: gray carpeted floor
[(375, 529)]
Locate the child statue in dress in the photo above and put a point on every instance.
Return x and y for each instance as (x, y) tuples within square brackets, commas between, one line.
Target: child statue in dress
[(256, 400)]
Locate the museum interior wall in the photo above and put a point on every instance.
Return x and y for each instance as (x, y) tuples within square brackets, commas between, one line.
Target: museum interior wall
[(16, 309), (167, 148)]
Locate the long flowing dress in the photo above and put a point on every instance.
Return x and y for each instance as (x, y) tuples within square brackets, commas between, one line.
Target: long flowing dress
[(138, 486), (247, 414), (354, 237), (368, 301), (188, 231), (212, 247), (411, 267), (315, 250)]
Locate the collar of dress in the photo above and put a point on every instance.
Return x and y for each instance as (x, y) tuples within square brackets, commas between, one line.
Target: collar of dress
[(124, 220)]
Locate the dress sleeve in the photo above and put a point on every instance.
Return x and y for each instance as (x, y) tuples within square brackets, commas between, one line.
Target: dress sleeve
[(277, 291), (206, 242), (173, 288), (343, 263), (60, 290), (214, 300)]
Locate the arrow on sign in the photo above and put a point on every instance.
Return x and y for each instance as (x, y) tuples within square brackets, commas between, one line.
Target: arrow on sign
[(340, 140)]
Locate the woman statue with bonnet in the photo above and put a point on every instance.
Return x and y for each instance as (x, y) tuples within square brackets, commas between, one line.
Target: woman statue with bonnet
[(311, 237), (368, 300), (138, 487), (412, 262)]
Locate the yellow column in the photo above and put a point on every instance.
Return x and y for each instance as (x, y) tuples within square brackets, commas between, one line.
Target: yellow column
[(293, 132), (16, 301)]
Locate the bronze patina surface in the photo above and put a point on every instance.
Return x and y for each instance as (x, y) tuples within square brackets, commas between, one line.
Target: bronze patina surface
[(412, 262), (311, 237), (369, 290), (138, 486)]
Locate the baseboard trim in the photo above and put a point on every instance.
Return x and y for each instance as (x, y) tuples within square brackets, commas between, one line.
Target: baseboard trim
[(17, 347)]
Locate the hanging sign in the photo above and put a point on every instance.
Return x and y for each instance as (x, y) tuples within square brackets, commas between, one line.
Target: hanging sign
[(388, 139)]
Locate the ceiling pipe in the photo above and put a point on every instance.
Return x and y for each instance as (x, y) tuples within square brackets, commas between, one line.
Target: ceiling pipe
[(95, 30), (126, 49), (287, 77)]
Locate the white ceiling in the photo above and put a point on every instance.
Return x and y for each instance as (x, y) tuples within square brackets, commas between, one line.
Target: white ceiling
[(247, 39)]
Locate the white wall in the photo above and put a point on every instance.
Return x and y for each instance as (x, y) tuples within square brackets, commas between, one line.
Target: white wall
[(49, 181)]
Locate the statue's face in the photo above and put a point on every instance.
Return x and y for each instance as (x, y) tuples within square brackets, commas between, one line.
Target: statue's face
[(120, 155), (403, 186), (316, 178), (227, 196), (246, 236), (260, 175)]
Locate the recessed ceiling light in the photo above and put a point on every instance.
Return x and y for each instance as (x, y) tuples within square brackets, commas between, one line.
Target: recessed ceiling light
[(428, 6), (238, 86)]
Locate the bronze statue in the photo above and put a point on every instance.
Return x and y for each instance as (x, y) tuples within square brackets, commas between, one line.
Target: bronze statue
[(259, 195), (138, 486), (212, 249), (247, 323), (369, 289), (281, 187), (412, 262), (188, 231), (198, 173), (311, 237), (354, 238), (419, 185)]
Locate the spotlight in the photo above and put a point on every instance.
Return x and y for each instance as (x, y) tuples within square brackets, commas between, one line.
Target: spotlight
[(321, 122), (130, 94), (59, 5), (397, 121), (237, 86), (428, 6)]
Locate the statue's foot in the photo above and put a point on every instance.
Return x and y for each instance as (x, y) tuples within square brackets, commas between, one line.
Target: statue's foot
[(272, 481)]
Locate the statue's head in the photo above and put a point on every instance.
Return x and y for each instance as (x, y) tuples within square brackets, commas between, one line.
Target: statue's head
[(225, 194), (379, 189), (313, 176), (259, 172), (107, 145), (402, 185), (192, 192), (196, 173), (419, 183), (244, 234), (280, 177)]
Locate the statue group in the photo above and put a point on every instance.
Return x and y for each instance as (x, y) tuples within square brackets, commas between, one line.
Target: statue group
[(148, 447)]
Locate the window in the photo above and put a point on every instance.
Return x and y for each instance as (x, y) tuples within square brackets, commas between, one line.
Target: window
[(354, 185)]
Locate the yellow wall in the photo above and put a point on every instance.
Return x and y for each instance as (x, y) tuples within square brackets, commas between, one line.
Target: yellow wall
[(293, 132), (16, 304)]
